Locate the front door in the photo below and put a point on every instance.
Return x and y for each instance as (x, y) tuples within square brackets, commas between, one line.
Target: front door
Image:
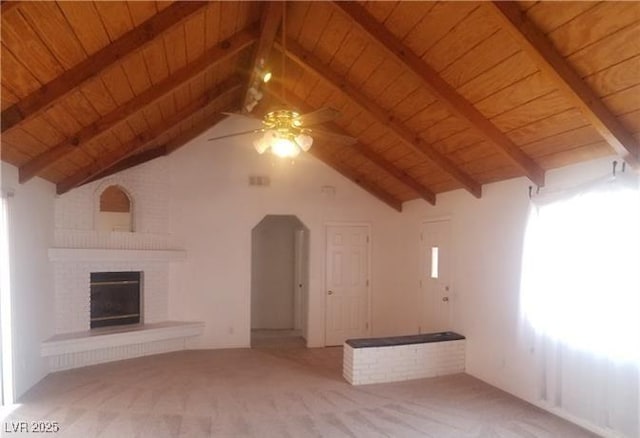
[(347, 283), (436, 272)]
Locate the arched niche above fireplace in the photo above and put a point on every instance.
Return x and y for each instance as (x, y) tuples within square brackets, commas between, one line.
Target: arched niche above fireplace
[(115, 210)]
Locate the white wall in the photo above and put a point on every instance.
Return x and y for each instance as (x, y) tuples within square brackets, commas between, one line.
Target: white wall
[(487, 237), (31, 235), (272, 273), (214, 210)]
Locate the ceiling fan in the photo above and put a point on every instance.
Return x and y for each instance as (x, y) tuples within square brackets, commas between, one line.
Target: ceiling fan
[(286, 132)]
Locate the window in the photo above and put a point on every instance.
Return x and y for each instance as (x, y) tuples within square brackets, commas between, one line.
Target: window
[(580, 270), (580, 297), (434, 261)]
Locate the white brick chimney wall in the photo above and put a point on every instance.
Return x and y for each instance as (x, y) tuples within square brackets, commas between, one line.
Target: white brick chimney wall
[(148, 185), (75, 211)]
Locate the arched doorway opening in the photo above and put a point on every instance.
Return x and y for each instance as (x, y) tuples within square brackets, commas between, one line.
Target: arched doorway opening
[(279, 281)]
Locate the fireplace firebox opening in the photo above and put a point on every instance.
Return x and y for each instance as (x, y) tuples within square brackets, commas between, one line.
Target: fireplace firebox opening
[(115, 298)]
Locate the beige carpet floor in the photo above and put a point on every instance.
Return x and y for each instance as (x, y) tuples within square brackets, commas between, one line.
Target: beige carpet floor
[(275, 391)]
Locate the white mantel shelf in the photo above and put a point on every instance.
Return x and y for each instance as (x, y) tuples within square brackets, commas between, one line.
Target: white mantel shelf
[(97, 339), (101, 254)]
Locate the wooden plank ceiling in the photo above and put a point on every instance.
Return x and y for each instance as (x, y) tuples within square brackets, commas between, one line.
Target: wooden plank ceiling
[(440, 95)]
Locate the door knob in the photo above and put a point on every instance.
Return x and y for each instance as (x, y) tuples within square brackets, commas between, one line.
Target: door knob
[(330, 292), (445, 299)]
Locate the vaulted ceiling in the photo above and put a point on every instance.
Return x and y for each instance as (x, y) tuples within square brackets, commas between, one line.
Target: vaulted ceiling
[(440, 95)]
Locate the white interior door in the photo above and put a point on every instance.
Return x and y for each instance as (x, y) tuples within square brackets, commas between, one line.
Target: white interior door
[(347, 283), (436, 276)]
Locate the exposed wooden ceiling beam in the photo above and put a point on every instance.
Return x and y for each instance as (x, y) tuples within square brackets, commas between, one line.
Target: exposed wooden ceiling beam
[(318, 150), (271, 17), (59, 87), (222, 90), (446, 94), (129, 162), (554, 65), (7, 5), (184, 138), (413, 141), (162, 150), (365, 151), (214, 56), (399, 174)]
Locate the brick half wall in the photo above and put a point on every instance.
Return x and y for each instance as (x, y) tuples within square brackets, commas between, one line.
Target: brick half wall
[(402, 362)]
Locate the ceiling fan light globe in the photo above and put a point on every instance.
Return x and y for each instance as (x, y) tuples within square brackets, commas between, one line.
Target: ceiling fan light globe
[(295, 151), (251, 105), (270, 136), (261, 145), (304, 141), (284, 148)]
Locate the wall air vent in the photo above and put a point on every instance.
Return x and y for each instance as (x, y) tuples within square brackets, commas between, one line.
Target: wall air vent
[(259, 180)]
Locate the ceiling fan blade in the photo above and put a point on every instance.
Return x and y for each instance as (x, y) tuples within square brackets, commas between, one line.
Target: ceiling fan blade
[(333, 137), (235, 134), (241, 115), (320, 116)]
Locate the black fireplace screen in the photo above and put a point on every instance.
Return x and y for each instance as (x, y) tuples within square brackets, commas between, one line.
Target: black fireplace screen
[(115, 298)]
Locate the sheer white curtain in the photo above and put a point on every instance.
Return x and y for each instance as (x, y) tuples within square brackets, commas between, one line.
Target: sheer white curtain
[(581, 296)]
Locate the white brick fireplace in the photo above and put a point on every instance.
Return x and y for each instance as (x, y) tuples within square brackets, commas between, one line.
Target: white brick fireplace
[(80, 250), (73, 267)]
